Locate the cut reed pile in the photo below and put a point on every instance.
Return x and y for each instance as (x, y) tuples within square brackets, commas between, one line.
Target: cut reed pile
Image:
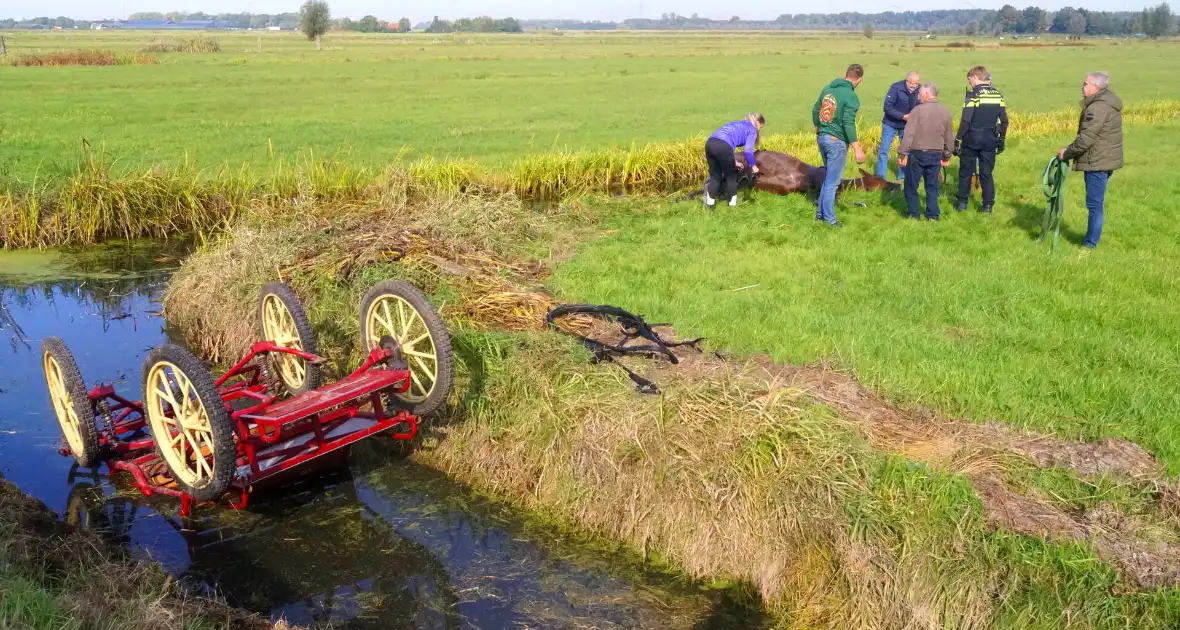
[(53, 576), (83, 58), (96, 205), (457, 247)]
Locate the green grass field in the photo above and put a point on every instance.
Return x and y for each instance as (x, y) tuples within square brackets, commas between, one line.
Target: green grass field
[(970, 316), (369, 99)]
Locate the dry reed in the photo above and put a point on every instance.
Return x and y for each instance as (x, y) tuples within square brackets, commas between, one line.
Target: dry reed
[(725, 475), (735, 471), (94, 205), (454, 241), (83, 58), (197, 44)]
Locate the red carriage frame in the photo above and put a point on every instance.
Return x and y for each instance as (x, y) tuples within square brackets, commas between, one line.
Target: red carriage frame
[(267, 433)]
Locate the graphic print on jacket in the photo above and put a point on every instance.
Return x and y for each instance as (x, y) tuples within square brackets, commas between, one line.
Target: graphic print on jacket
[(827, 110)]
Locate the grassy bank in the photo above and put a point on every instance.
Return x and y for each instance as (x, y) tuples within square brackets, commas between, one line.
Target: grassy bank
[(53, 577), (95, 205), (366, 99), (839, 509), (867, 489), (969, 316)]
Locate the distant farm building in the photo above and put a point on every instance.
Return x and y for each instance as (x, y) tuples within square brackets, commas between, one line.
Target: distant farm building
[(168, 25)]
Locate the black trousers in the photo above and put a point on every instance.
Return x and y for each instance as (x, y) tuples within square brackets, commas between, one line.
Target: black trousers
[(722, 182), (986, 160), (923, 165)]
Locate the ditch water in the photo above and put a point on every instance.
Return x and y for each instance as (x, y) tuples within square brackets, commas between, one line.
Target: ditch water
[(381, 543)]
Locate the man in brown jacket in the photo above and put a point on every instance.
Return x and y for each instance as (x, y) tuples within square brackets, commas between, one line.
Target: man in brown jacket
[(927, 146), (1098, 149)]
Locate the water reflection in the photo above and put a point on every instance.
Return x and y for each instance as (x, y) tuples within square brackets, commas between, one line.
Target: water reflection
[(400, 546), (109, 324), (314, 555)]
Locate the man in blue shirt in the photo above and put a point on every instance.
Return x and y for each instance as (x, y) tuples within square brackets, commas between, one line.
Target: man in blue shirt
[(900, 100)]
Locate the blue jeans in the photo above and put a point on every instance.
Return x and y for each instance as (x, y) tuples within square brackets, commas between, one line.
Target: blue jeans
[(835, 153), (923, 165), (1095, 196), (887, 135)]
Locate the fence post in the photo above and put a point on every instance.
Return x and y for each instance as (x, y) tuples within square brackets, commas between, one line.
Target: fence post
[(3, 50), (259, 44)]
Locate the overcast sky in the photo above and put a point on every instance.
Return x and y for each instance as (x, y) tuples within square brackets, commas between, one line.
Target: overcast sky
[(578, 9)]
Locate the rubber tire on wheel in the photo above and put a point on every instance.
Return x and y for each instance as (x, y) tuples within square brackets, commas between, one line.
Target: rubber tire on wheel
[(79, 400), (312, 378), (220, 423), (438, 334)]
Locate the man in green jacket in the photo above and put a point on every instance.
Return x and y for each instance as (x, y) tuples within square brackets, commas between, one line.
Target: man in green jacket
[(834, 117), (1098, 150)]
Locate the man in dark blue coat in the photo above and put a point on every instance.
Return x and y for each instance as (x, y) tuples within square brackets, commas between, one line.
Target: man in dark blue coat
[(900, 100)]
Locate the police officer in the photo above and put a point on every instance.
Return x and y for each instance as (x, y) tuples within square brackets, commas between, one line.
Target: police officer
[(982, 129)]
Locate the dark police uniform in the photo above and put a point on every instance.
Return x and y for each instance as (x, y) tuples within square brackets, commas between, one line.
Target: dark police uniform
[(982, 129)]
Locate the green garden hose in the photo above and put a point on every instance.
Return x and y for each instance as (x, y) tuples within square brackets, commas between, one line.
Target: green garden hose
[(1053, 186)]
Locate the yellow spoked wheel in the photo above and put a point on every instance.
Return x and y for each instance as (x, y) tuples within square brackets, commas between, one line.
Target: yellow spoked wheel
[(397, 309), (284, 323), (71, 403), (189, 422)]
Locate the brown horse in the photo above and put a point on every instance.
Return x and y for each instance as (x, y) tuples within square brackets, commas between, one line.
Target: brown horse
[(783, 174)]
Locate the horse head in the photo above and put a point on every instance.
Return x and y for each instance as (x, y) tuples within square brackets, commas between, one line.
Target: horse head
[(869, 181)]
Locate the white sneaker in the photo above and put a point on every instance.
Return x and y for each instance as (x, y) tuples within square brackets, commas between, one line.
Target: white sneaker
[(733, 201), (709, 201)]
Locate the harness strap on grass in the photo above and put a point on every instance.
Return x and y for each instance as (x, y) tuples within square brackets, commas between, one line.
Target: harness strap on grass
[(633, 326), (1053, 187)]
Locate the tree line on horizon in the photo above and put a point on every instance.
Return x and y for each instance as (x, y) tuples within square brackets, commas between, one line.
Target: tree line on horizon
[(1154, 22)]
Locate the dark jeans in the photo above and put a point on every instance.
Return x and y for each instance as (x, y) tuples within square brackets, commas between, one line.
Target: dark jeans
[(1096, 182), (968, 158), (722, 182), (923, 165)]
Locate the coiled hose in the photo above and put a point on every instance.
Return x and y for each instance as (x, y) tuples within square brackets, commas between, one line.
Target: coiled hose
[(1053, 187)]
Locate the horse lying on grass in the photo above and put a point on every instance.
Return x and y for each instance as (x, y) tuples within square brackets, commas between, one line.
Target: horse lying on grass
[(783, 174)]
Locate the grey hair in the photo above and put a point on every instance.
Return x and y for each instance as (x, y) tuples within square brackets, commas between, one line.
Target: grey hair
[(1099, 79), (912, 73), (929, 88)]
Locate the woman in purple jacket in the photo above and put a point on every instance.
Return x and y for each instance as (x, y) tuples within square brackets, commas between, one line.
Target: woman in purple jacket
[(723, 167)]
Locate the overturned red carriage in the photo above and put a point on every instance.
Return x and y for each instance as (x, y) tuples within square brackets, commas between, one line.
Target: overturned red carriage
[(204, 440)]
